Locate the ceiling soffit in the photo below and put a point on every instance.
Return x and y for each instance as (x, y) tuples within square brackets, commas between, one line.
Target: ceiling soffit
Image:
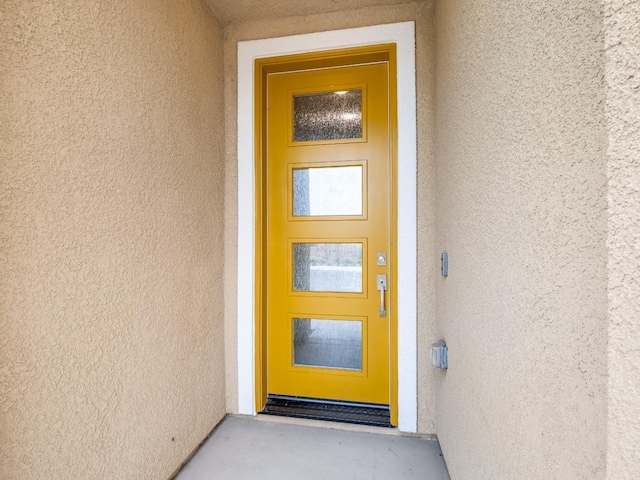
[(239, 11)]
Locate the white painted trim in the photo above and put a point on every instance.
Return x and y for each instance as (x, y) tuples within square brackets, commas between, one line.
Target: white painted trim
[(403, 35)]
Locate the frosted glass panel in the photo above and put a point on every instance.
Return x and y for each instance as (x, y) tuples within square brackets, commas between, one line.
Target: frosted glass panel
[(327, 116), (327, 191), (327, 267), (327, 343)]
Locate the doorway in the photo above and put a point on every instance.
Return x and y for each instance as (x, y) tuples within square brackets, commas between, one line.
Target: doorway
[(251, 382), (327, 176)]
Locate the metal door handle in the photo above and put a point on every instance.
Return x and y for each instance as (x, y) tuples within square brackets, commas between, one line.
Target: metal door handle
[(382, 286)]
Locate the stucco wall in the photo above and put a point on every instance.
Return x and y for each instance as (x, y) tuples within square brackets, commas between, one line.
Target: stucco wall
[(111, 348), (622, 42), (421, 13), (521, 210)]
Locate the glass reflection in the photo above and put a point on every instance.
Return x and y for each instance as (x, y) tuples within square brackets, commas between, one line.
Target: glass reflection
[(327, 343), (327, 191), (327, 267)]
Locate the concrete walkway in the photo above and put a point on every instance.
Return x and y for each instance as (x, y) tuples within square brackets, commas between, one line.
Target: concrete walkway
[(248, 449)]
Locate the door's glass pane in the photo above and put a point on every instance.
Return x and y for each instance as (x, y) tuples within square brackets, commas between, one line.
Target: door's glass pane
[(327, 191), (327, 116), (327, 343), (327, 267)]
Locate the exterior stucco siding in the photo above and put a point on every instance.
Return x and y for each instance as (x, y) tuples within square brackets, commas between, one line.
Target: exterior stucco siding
[(521, 210), (111, 229), (622, 48)]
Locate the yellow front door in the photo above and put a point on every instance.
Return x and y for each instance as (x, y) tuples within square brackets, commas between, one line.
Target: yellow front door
[(328, 245)]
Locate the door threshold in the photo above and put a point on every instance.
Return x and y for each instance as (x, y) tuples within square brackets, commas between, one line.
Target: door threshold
[(328, 410)]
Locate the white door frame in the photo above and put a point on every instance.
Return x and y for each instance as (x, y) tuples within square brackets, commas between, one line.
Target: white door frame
[(403, 35)]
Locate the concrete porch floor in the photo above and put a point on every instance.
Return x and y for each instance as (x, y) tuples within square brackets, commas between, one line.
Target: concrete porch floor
[(246, 449)]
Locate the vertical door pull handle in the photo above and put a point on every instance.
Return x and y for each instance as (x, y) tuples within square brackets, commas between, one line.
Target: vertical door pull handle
[(382, 286)]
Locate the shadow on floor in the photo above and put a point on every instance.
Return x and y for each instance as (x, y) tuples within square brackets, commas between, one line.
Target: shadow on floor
[(248, 449)]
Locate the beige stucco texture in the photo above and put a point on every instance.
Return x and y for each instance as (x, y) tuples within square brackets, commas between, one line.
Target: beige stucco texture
[(111, 228), (622, 42), (521, 210), (119, 210), (421, 13)]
